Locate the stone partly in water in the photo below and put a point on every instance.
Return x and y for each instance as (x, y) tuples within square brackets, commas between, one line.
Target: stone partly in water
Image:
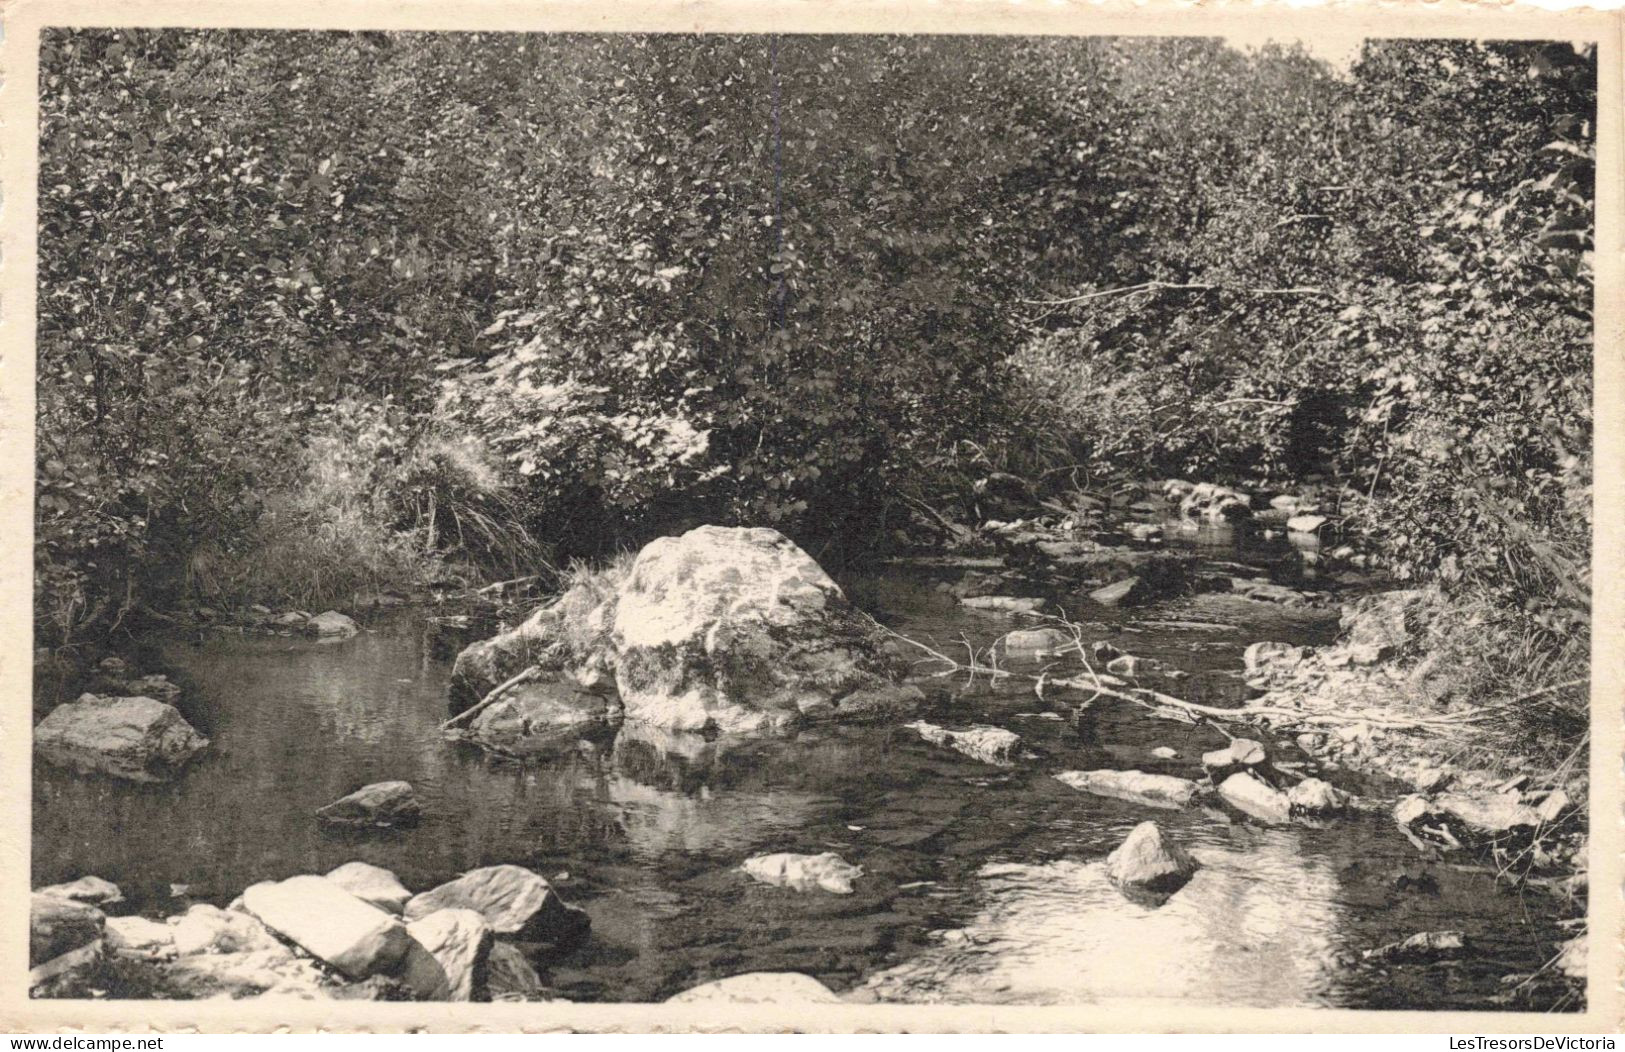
[(1215, 503), (759, 988), (353, 936), (1036, 641), (378, 804), (828, 871), (1004, 604), (60, 926), (1116, 593), (532, 715), (1315, 797), (721, 629), (1306, 524), (1420, 948), (1148, 860), (989, 744), (92, 890), (332, 625), (447, 960), (372, 884), (513, 900), (1240, 754), (1462, 819), (1153, 790), (138, 739), (1250, 794)]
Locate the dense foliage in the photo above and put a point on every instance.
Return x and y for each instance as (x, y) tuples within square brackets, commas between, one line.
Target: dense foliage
[(396, 304)]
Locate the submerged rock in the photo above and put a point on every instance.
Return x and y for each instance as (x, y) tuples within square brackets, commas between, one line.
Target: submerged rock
[(138, 739), (372, 884), (1146, 859), (759, 988), (988, 744), (827, 871), (1420, 948), (91, 890), (353, 936), (513, 900), (447, 960), (378, 804), (1252, 795), (332, 625), (1153, 790)]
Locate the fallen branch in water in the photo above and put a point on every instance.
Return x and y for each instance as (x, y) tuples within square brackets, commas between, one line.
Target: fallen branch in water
[(495, 695), (1156, 700)]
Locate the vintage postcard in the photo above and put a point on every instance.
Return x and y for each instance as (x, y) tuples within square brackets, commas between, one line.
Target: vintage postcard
[(878, 516)]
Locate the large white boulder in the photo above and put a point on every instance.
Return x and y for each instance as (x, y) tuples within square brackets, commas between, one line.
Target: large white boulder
[(353, 936), (138, 739)]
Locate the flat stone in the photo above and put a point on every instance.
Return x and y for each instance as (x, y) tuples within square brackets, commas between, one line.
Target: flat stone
[(372, 884), (1147, 859), (988, 744), (513, 900), (1253, 796), (1420, 948), (759, 988), (1153, 790), (1306, 523), (379, 804), (1003, 604), (138, 739), (1117, 593), (827, 871), (140, 938), (1241, 752), (353, 936), (1036, 640)]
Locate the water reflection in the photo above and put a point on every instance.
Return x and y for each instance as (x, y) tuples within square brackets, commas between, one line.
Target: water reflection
[(1253, 928)]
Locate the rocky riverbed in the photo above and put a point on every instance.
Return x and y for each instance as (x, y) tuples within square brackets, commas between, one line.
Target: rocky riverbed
[(993, 831)]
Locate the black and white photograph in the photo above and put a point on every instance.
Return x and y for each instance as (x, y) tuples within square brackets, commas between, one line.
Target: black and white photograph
[(557, 518)]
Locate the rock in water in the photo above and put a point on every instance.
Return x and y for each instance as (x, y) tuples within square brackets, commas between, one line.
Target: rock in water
[(1036, 640), (1309, 524), (739, 629), (1004, 604), (1315, 797), (378, 804), (513, 900), (1147, 860), (332, 625), (60, 926), (1153, 790), (373, 884), (759, 988), (1419, 948), (721, 629), (91, 890), (1252, 795), (141, 938), (804, 872), (993, 745), (1241, 753), (448, 956), (1116, 593), (353, 936), (139, 739)]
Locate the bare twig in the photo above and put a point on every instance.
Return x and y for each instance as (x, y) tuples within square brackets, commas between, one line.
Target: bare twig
[(495, 695)]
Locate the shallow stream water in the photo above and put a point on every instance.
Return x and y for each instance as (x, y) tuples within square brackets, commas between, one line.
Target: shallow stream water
[(980, 883)]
